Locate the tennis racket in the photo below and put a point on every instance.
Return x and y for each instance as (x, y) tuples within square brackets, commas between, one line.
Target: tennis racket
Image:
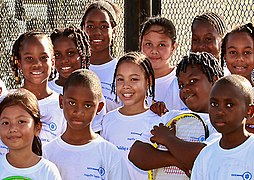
[(189, 127)]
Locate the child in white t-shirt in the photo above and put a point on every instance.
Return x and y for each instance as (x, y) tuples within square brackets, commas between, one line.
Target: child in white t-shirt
[(158, 43), (80, 153), (99, 22), (32, 61), (230, 104), (133, 82), (72, 52), (237, 50), (196, 74), (19, 129)]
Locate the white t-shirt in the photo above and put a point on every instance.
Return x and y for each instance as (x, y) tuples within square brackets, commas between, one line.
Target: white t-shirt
[(4, 90), (213, 134), (55, 87), (98, 159), (106, 74), (52, 118), (214, 162), (167, 90), (122, 131), (43, 170), (226, 71), (3, 148), (96, 123)]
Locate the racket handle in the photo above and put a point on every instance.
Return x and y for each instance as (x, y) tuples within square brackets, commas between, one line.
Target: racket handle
[(150, 175)]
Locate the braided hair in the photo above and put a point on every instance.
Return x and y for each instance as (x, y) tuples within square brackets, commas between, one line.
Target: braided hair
[(215, 20), (207, 61), (15, 55), (110, 8), (142, 61), (79, 38), (247, 28)]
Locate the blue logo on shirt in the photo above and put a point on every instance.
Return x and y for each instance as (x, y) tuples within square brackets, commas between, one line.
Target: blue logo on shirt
[(101, 170), (245, 176), (198, 139), (133, 138), (52, 126), (106, 85), (136, 133)]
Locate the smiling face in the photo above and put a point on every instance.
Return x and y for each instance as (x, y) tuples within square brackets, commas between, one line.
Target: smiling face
[(205, 38), (240, 54), (158, 47), (80, 105), (194, 88), (67, 57), (131, 85), (17, 128), (227, 108), (36, 60), (99, 29)]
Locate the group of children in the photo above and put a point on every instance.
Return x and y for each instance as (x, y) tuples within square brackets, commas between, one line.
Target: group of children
[(98, 117)]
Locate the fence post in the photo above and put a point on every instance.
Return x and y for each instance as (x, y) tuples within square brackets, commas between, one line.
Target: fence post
[(136, 12), (156, 7)]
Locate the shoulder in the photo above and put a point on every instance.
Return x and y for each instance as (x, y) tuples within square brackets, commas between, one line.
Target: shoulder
[(50, 169), (249, 142), (54, 87), (51, 99), (106, 149), (109, 116), (112, 112), (48, 146), (106, 143), (108, 65), (210, 148), (150, 118), (167, 80), (47, 163)]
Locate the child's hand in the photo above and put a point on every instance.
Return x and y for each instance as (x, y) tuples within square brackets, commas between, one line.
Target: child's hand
[(159, 108), (162, 134)]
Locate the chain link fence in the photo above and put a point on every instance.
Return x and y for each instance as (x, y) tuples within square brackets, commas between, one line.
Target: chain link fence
[(182, 12), (19, 16)]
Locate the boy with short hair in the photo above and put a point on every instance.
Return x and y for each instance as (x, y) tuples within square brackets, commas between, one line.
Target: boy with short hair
[(230, 104), (81, 153)]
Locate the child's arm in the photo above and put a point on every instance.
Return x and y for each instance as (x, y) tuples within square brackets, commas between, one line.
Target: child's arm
[(146, 157), (183, 151)]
